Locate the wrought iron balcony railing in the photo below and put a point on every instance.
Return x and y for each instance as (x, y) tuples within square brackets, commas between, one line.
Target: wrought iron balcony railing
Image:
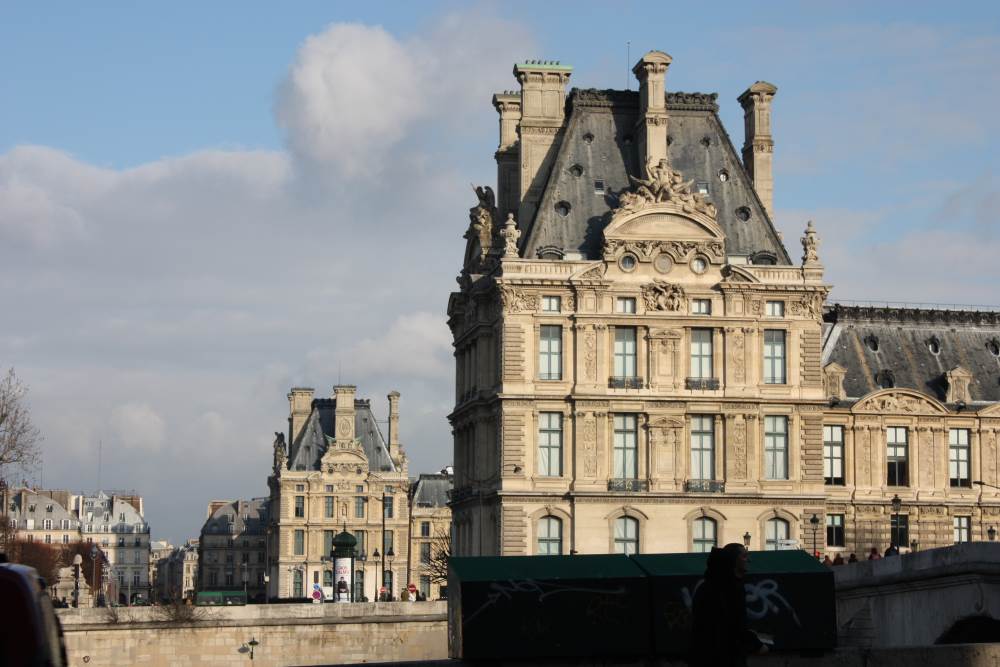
[(625, 382), (628, 485), (702, 383), (705, 486)]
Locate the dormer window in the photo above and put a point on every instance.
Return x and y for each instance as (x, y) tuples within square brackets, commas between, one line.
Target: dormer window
[(934, 345), (885, 379), (599, 186), (994, 347), (702, 187), (872, 342), (48, 508)]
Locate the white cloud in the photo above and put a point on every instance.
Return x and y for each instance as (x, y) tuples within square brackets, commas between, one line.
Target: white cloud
[(418, 344), (138, 426)]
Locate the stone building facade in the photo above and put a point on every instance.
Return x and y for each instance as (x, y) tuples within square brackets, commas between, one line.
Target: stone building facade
[(641, 365), (336, 471), (232, 547), (430, 533)]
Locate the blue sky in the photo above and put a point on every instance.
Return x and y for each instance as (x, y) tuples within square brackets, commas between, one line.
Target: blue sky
[(203, 204)]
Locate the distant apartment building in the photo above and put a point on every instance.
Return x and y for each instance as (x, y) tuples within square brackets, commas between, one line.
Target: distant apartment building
[(177, 573), (430, 533), (232, 551)]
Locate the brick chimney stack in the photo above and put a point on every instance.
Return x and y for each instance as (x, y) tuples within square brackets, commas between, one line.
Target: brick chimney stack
[(299, 406), (344, 414), (508, 105), (393, 423), (651, 128), (758, 145)]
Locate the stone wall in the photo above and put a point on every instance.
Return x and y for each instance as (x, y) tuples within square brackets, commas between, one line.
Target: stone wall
[(288, 634)]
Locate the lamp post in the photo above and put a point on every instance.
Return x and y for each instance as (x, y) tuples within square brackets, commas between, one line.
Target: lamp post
[(77, 563), (391, 554), (814, 522), (992, 533), (746, 540), (252, 644), (246, 575), (376, 556), (897, 504), (93, 576)]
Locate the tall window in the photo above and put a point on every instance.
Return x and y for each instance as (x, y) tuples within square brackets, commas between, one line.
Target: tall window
[(550, 352), (327, 578), (705, 534), (297, 585), (425, 586), (775, 533), (425, 529), (359, 584), (328, 507), (327, 542), (300, 506), (701, 353), (359, 507), (833, 455), (625, 352), (896, 446), (958, 457), (550, 441), (835, 530), (626, 454), (702, 447), (774, 356), (961, 526), (387, 541), (776, 447), (425, 552), (549, 536), (899, 529), (387, 507), (362, 545), (626, 535), (300, 542)]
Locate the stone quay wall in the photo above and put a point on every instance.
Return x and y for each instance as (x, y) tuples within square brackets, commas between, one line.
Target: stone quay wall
[(287, 634)]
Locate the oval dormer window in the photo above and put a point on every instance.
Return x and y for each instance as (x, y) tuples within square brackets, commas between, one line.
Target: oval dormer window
[(993, 345), (699, 265), (872, 342), (885, 379), (934, 345), (743, 213), (563, 208), (576, 170)]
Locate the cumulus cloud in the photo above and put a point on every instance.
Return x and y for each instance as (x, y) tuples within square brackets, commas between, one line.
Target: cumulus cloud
[(138, 426)]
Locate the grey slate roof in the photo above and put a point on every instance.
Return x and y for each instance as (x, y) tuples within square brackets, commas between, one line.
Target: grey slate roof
[(903, 339), (255, 510), (306, 452), (26, 504), (599, 138), (431, 490)]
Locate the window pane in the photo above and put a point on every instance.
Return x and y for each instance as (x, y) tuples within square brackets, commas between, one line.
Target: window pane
[(626, 447), (776, 530), (833, 454), (550, 352), (624, 352), (961, 527), (702, 447), (704, 532), (550, 444), (776, 447), (626, 535), (835, 530), (958, 457), (701, 353), (551, 304), (549, 536), (896, 456), (625, 305), (774, 356), (899, 530), (775, 308)]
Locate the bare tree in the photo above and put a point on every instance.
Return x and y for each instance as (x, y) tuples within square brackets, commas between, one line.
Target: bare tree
[(440, 554), (19, 438)]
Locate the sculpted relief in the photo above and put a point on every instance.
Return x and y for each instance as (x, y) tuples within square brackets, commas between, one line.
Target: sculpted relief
[(517, 300), (664, 296), (663, 185), (898, 403)]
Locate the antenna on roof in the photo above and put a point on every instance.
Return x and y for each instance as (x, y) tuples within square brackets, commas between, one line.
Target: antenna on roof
[(628, 59), (100, 451), (339, 368)]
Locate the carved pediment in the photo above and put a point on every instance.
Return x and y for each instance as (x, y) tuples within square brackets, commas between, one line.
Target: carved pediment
[(899, 401), (347, 461), (735, 274), (666, 422)]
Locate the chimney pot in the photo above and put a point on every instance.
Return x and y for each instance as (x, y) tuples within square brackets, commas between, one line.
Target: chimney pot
[(758, 145)]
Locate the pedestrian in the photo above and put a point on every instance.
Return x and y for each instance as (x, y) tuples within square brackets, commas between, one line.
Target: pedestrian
[(874, 554), (720, 636), (893, 550), (852, 559), (827, 561), (838, 560)]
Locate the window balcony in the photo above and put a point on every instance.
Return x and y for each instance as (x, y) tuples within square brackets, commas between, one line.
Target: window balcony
[(705, 486), (701, 383), (625, 382), (628, 485)]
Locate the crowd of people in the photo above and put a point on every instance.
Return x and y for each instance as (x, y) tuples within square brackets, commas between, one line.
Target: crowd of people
[(838, 559)]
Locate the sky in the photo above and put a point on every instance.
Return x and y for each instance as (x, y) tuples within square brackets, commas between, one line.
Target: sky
[(205, 204)]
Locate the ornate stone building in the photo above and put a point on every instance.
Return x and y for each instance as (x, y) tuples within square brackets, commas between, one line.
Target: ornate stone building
[(336, 474), (641, 365)]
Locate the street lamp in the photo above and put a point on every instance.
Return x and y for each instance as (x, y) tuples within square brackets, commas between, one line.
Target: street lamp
[(814, 522), (992, 533), (746, 539), (245, 579), (897, 504), (391, 554), (252, 644), (376, 556), (93, 577), (77, 562)]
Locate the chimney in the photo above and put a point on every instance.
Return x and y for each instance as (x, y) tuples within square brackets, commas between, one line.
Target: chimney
[(758, 145), (393, 422), (508, 105), (651, 127), (299, 406), (344, 414), (543, 104)]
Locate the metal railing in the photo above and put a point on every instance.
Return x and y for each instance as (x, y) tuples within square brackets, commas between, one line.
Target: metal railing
[(705, 486), (625, 382), (701, 383), (628, 485)]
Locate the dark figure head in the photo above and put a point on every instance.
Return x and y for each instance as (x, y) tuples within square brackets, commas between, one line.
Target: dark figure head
[(729, 562)]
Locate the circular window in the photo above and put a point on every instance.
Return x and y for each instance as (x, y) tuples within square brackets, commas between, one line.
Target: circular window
[(663, 263), (743, 213), (934, 345), (576, 170), (872, 342), (994, 347), (723, 175), (699, 265), (588, 138), (562, 208), (628, 262)]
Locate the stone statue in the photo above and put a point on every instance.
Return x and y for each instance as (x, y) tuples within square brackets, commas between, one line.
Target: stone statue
[(482, 216), (510, 234), (661, 295), (280, 452), (810, 243), (663, 185)]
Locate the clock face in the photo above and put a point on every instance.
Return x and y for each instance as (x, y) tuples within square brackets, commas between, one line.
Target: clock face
[(344, 426)]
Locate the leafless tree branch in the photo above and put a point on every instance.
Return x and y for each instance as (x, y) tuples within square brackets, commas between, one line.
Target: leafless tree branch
[(19, 439)]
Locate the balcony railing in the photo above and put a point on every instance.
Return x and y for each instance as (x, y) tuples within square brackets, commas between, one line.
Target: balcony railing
[(705, 486), (628, 485), (625, 382), (701, 383)]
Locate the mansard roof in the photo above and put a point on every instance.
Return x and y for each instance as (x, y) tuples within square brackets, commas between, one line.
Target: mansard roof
[(232, 513), (599, 144), (307, 450), (914, 348), (29, 504), (431, 490)]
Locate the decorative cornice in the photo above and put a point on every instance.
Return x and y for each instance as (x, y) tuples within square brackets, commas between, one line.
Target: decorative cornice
[(676, 101), (844, 313)]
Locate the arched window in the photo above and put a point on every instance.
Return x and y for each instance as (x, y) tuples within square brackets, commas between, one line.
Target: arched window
[(549, 536), (705, 534), (775, 531), (626, 535)]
